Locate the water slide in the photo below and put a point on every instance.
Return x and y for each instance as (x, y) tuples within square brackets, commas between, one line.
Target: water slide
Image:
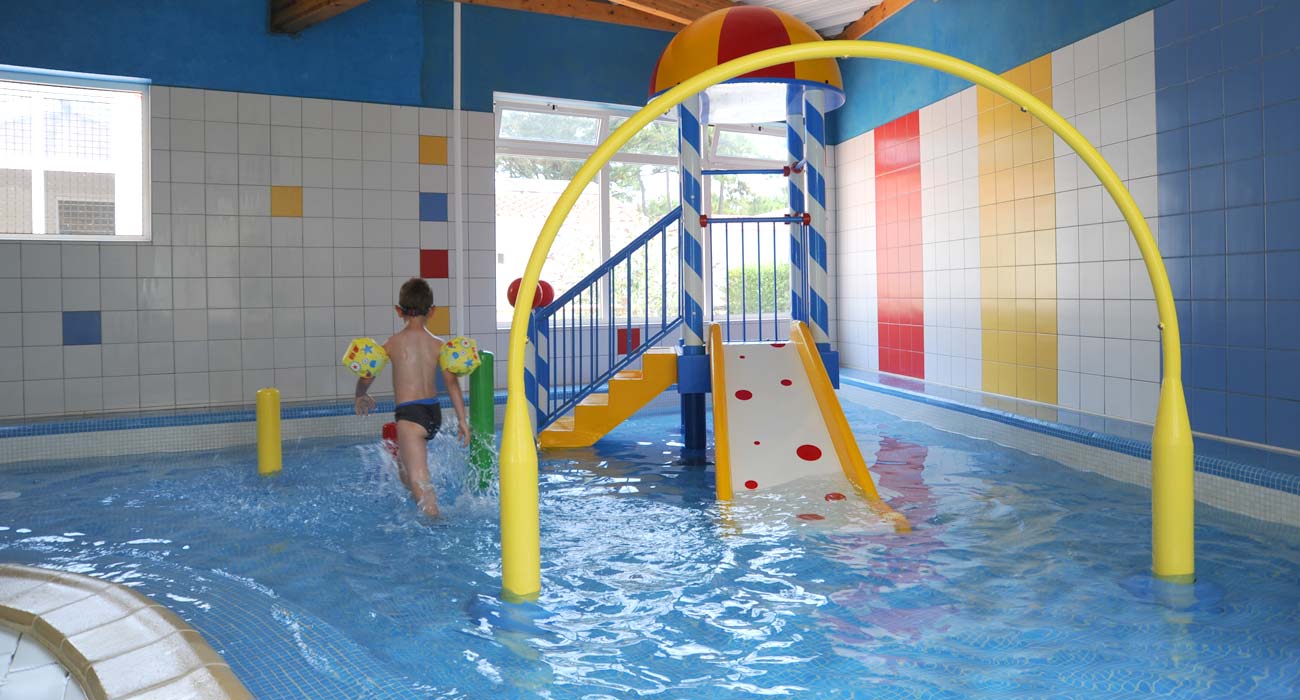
[(776, 419)]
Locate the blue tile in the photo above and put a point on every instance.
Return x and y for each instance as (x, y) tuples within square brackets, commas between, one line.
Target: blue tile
[(1171, 108), (433, 206), (1245, 276), (82, 328), (1232, 9), (1282, 176), (1171, 150), (1171, 65), (1241, 89), (1202, 15), (1175, 236), (1205, 99), (1205, 144), (1208, 367), (1283, 225), (1209, 322), (1172, 189), (1278, 77), (1170, 22), (1244, 180), (1205, 189), (1184, 308), (1283, 325), (1247, 324), (1240, 42), (1246, 418), (1283, 417), (1278, 27), (1284, 374), (1246, 371), (1209, 277), (1208, 411), (1282, 127), (1244, 229), (1284, 275), (1179, 271), (1204, 55), (1243, 136)]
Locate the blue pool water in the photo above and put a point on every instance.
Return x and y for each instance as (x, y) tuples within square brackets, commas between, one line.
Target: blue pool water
[(1022, 578)]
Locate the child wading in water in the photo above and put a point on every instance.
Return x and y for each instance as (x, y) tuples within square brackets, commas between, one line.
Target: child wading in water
[(413, 352)]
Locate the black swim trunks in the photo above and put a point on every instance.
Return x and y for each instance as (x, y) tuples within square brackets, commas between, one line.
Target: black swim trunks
[(425, 412)]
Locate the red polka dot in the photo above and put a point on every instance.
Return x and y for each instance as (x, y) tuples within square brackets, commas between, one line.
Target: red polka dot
[(742, 357), (809, 453), (756, 442), (786, 382), (834, 496), (744, 394), (778, 345), (751, 484), (810, 516)]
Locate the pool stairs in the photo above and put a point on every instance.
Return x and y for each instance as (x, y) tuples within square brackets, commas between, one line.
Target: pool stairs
[(629, 391)]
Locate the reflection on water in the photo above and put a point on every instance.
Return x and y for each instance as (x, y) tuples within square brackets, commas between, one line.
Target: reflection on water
[(1021, 578)]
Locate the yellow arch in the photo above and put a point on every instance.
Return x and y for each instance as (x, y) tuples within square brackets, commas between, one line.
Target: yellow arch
[(1172, 500)]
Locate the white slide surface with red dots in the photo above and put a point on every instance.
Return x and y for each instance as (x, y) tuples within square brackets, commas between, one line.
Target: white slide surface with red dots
[(775, 429)]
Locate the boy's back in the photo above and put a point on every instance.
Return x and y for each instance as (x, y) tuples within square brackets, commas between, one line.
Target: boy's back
[(413, 352)]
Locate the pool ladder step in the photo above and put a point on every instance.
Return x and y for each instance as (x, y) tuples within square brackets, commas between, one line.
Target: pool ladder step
[(629, 391)]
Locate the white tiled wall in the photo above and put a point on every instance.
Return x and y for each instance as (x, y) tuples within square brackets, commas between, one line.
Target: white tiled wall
[(855, 237), (226, 298)]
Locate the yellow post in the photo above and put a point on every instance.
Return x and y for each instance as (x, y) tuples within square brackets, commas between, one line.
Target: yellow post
[(1172, 501), (268, 431)]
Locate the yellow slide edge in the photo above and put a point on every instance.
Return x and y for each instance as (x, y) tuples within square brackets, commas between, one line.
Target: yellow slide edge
[(721, 439), (846, 446)]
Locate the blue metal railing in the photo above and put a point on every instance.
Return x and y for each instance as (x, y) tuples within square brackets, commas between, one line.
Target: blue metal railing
[(576, 338), (751, 276)]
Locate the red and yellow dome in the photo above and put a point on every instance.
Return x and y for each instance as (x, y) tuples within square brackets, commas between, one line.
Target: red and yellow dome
[(738, 31)]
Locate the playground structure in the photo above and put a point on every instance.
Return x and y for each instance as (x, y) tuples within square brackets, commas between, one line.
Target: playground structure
[(1172, 456)]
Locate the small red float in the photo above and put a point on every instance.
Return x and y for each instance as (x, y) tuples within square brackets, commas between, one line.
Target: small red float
[(544, 295)]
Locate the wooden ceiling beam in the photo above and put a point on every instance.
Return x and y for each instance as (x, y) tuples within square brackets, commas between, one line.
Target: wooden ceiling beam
[(293, 16), (872, 19), (584, 9), (655, 9)]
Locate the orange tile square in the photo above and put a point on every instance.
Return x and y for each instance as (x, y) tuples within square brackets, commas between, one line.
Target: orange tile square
[(1044, 281), (439, 322), (1023, 177), (1044, 177), (1022, 148), (988, 214), (1026, 349), (1041, 144), (1006, 249), (1046, 352), (433, 150), (1006, 318), (1027, 383), (1006, 185), (1006, 217), (1019, 75), (1040, 74), (286, 200), (1024, 243), (1002, 120), (1024, 315), (989, 283), (987, 156), (1045, 247), (1003, 153), (1024, 215), (1045, 212), (1046, 312), (1046, 386)]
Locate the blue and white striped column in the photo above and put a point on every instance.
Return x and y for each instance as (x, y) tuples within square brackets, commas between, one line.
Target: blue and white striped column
[(815, 172), (537, 369), (794, 136), (692, 243)]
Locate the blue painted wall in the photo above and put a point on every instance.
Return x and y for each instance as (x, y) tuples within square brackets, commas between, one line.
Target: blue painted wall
[(1228, 151), (996, 34), (393, 51)]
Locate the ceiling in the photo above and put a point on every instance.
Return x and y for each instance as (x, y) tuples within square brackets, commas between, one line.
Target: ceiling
[(828, 17)]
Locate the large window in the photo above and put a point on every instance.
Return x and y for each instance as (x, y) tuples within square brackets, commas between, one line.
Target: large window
[(71, 158), (540, 146)]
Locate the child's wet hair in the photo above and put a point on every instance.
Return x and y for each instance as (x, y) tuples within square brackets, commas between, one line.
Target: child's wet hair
[(415, 297)]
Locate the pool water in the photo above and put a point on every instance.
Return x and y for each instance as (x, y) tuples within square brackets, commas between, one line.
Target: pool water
[(1023, 578)]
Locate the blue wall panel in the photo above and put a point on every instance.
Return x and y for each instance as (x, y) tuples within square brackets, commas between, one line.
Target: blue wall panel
[(997, 35), (1228, 106)]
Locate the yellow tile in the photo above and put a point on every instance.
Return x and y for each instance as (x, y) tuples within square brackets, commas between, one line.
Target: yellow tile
[(1044, 178), (1040, 74), (1003, 153), (433, 150), (1006, 347), (1006, 282), (1045, 212), (1006, 217), (1046, 312), (1021, 121), (1003, 116), (1006, 185), (1044, 281), (1045, 247), (987, 343), (983, 100), (1041, 140), (989, 283), (1024, 248), (1026, 382), (1023, 176), (1019, 75), (1007, 249), (987, 154), (1004, 316), (1026, 349), (439, 322), (1046, 352), (1024, 215), (988, 190), (1044, 95), (989, 377), (986, 129), (988, 214), (1046, 382), (988, 253), (286, 200), (1022, 148), (1024, 315)]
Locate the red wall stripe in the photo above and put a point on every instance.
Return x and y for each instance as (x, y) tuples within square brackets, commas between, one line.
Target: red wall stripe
[(899, 281)]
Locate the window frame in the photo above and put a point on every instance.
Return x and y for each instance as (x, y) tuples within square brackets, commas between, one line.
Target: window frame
[(59, 80)]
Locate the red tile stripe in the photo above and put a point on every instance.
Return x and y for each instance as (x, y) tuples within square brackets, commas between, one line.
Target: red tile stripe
[(899, 285)]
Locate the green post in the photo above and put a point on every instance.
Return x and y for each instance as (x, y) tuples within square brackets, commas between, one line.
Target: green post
[(482, 418)]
